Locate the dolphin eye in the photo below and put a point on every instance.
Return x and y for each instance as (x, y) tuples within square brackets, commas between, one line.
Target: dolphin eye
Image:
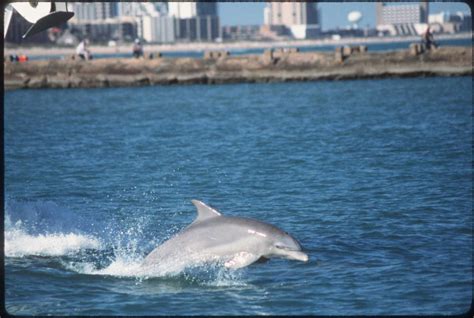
[(279, 246)]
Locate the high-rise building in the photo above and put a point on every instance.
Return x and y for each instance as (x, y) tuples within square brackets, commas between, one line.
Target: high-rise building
[(139, 9), (425, 11), (158, 29), (195, 21), (241, 32), (198, 28), (153, 21), (103, 31), (395, 13), (302, 18), (90, 11), (402, 18), (144, 13), (186, 10)]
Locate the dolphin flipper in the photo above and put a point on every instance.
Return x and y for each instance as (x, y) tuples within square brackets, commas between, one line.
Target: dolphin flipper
[(241, 259)]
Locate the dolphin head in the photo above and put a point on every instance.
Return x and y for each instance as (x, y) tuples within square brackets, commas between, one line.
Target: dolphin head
[(285, 246)]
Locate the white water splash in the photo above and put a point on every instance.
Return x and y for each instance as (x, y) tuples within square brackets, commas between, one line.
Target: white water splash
[(19, 243), (209, 273), (226, 278), (127, 267), (118, 268)]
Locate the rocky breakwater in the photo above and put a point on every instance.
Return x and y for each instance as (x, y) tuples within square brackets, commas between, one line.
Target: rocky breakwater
[(220, 67)]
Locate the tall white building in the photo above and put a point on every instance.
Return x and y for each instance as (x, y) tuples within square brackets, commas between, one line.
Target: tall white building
[(90, 11), (301, 18), (154, 21), (143, 13), (187, 10), (158, 29), (138, 9), (401, 13), (194, 21), (266, 15), (402, 18), (182, 10)]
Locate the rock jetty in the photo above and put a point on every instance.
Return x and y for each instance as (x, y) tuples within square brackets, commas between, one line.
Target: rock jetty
[(217, 67)]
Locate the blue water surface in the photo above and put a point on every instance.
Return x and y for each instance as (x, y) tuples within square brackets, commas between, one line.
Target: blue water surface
[(373, 177)]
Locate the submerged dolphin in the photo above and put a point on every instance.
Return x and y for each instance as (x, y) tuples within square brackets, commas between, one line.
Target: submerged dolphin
[(236, 241)]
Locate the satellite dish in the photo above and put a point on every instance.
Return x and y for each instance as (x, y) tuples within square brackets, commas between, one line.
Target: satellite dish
[(354, 16)]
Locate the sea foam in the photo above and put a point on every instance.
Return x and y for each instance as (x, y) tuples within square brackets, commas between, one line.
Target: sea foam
[(44, 229), (18, 243)]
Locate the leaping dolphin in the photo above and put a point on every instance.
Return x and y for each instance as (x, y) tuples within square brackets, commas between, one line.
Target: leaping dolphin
[(236, 241)]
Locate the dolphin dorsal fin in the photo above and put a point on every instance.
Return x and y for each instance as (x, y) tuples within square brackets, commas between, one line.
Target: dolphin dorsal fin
[(204, 212)]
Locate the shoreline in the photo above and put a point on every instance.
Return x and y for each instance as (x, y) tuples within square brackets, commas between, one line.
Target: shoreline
[(271, 66), (241, 45)]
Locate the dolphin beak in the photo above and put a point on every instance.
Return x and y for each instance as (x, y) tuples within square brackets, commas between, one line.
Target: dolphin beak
[(297, 255)]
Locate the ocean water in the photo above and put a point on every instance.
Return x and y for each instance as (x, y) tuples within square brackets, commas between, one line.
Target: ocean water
[(373, 177)]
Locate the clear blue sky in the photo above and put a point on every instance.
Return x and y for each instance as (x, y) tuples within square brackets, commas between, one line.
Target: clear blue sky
[(333, 14)]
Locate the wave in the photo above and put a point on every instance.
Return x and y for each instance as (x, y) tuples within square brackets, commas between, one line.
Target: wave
[(19, 244), (129, 266), (39, 229)]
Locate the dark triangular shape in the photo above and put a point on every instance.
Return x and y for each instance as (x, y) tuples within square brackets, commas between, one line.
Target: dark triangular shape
[(52, 19)]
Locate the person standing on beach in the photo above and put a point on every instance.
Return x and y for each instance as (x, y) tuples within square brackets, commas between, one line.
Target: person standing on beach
[(137, 49), (82, 50), (428, 39)]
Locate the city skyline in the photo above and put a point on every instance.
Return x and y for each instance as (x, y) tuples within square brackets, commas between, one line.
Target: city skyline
[(161, 22), (333, 15)]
